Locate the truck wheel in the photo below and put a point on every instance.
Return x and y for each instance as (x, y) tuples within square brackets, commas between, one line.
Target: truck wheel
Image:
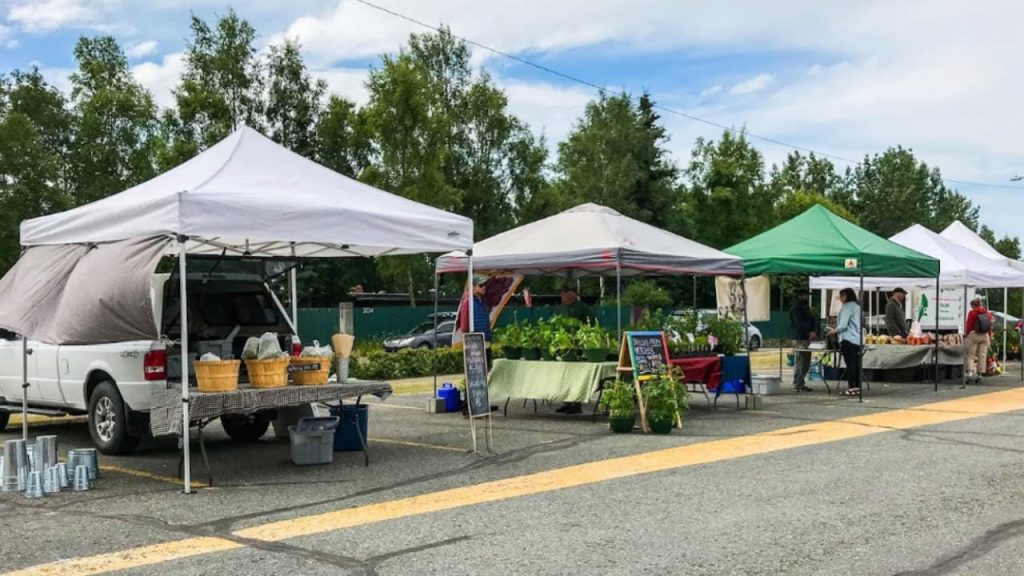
[(5, 417), (108, 421), (242, 428)]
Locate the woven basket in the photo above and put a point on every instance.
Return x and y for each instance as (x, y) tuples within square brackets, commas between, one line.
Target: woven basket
[(271, 373), (317, 378), (218, 376)]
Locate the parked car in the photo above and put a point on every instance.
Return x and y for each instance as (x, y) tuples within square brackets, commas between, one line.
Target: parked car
[(422, 336), (1004, 321), (754, 338), (112, 383)]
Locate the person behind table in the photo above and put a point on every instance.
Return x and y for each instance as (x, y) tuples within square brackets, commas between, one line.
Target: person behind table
[(573, 307), (896, 315), (481, 311), (977, 341), (848, 329), (803, 328)]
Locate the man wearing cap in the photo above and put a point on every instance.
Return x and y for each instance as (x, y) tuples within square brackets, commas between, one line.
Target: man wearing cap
[(803, 328), (481, 311), (573, 307), (895, 315)]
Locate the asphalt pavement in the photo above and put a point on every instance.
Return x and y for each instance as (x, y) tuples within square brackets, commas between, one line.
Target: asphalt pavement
[(564, 496)]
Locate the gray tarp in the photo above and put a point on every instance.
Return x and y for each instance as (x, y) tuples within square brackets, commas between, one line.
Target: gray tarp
[(83, 294)]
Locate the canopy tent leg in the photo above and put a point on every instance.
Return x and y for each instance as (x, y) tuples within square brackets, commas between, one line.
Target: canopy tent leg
[(24, 388), (963, 326), (183, 324), (618, 298), (470, 297), (1006, 297), (936, 308), (293, 291), (860, 364), (746, 335), (437, 281)]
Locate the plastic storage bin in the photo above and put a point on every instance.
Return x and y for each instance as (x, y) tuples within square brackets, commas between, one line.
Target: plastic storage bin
[(345, 436), (312, 440), (766, 385)]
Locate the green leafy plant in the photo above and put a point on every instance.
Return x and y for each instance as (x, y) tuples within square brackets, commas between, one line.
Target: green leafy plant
[(665, 398), (511, 336), (729, 333), (562, 343), (650, 321), (646, 293), (619, 399), (591, 336)]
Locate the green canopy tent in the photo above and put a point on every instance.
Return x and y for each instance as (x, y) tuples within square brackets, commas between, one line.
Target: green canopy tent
[(818, 242)]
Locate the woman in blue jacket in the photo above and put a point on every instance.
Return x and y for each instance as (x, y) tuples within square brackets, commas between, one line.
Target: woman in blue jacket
[(849, 332)]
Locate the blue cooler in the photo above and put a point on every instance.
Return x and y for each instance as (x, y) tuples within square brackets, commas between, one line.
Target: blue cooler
[(450, 395), (345, 437)]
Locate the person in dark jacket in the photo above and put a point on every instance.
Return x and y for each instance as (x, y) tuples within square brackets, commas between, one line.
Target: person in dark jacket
[(803, 328), (896, 315)]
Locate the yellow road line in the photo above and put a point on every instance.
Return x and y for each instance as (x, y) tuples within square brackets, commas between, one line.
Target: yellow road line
[(418, 445), (550, 480), (149, 475)]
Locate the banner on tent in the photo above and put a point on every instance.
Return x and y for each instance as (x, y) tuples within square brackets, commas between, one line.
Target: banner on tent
[(731, 302), (951, 307)]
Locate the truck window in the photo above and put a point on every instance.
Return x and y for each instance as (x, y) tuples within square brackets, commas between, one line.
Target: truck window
[(238, 308)]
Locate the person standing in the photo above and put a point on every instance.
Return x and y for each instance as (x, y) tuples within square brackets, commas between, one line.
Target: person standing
[(896, 315), (848, 329), (802, 329), (977, 341), (481, 311)]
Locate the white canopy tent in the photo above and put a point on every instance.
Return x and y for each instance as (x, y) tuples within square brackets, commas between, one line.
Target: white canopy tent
[(593, 240), (248, 196)]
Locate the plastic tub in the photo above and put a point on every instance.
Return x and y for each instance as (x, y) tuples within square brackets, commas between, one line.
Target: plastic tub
[(312, 440), (765, 385), (450, 395), (345, 436)]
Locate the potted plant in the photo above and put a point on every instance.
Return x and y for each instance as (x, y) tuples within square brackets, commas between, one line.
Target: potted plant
[(562, 345), (511, 340), (531, 339), (544, 337), (618, 401), (592, 340), (665, 399)]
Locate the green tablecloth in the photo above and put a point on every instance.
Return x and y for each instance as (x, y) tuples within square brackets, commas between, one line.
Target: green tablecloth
[(547, 380)]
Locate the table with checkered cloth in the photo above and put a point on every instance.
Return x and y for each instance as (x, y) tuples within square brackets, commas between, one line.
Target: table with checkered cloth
[(165, 412)]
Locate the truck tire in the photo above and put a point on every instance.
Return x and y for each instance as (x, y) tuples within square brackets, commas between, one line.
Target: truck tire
[(245, 428), (5, 417), (108, 421)]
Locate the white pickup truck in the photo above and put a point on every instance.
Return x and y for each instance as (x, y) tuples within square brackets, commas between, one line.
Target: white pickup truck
[(111, 383)]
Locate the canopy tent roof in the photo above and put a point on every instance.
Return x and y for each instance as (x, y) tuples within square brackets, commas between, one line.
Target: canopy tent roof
[(818, 242), (960, 266), (592, 240), (247, 195), (959, 233)]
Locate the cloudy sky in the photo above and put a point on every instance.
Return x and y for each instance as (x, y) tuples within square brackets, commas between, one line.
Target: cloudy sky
[(843, 78)]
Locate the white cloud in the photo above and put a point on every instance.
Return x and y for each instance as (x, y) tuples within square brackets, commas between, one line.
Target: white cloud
[(47, 15), (548, 109), (752, 85), (349, 83), (161, 79), (139, 50), (711, 90)]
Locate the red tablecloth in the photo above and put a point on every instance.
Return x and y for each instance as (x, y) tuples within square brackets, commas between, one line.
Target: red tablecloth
[(706, 370)]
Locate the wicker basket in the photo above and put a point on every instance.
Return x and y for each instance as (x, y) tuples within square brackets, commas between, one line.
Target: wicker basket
[(217, 376), (315, 378), (272, 373)]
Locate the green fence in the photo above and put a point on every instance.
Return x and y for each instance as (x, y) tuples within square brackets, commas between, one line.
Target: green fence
[(775, 328)]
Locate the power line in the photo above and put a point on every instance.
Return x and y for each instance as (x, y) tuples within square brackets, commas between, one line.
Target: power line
[(661, 107)]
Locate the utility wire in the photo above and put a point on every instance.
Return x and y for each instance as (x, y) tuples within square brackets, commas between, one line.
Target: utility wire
[(661, 107)]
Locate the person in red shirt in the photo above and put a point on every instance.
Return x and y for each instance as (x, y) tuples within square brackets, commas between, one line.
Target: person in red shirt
[(977, 341)]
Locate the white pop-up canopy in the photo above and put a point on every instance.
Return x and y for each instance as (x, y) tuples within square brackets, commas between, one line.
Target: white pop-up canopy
[(959, 233), (959, 266), (593, 240), (249, 196), (245, 196)]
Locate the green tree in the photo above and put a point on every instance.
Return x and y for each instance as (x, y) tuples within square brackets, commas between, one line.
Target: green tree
[(294, 100), (726, 198), (342, 137), (115, 123), (894, 190), (221, 88), (615, 157)]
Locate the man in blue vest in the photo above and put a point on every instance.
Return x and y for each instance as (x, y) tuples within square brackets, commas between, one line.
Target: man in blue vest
[(481, 311)]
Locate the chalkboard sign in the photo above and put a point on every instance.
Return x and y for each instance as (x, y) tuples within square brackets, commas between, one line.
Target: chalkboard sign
[(475, 358), (645, 353)]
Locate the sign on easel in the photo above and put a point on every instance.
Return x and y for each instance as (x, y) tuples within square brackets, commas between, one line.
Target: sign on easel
[(474, 354), (645, 354)]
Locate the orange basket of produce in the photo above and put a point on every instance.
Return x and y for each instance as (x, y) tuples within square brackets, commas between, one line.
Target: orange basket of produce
[(217, 376), (310, 377), (271, 373)]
